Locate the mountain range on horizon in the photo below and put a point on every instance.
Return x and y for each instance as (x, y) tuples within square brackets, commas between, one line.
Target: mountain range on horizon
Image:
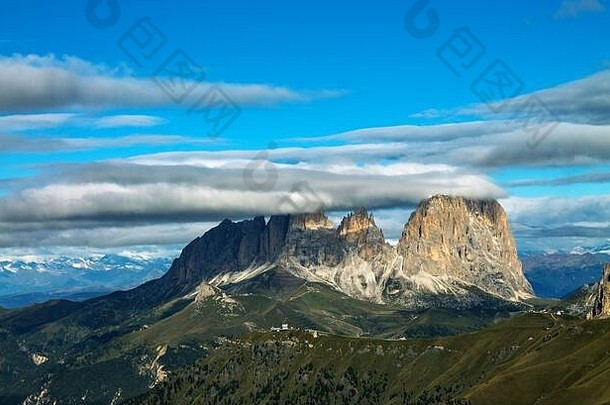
[(29, 280)]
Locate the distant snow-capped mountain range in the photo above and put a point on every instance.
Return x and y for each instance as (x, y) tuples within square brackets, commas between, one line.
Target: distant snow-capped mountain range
[(29, 279), (603, 249)]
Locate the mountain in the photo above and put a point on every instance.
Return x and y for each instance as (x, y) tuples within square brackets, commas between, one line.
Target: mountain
[(38, 279), (453, 250), (558, 274), (601, 298), (451, 240), (454, 253), (103, 348)]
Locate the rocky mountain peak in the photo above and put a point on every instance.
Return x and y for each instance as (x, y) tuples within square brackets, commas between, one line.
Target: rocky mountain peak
[(229, 246), (310, 222), (489, 209), (312, 240), (356, 222), (601, 305), (464, 239), (358, 229)]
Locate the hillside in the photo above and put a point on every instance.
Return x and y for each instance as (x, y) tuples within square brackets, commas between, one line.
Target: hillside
[(531, 359), (83, 353)]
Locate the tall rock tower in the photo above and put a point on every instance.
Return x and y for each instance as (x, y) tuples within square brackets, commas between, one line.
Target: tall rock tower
[(601, 305), (464, 239)]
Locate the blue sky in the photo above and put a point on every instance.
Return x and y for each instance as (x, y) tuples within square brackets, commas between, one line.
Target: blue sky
[(339, 95)]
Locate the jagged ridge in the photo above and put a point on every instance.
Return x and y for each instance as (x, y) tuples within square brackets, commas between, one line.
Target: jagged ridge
[(449, 246), (601, 298)]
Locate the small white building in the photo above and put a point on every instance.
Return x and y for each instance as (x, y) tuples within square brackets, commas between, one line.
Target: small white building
[(285, 326)]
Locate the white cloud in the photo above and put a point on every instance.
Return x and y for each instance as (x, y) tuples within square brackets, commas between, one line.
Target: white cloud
[(583, 101), (122, 121), (558, 211), (559, 222), (575, 8), (141, 195), (160, 240), (34, 82), (28, 122), (591, 177), (24, 122), (411, 133), (484, 144), (24, 144)]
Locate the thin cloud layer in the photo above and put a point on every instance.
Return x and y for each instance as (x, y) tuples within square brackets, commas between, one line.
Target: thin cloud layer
[(122, 121), (153, 193), (592, 178), (566, 221), (575, 8), (583, 101), (30, 122), (33, 82), (489, 144), (38, 144), (25, 122)]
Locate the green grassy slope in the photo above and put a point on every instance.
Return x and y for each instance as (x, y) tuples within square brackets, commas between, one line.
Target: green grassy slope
[(312, 306), (531, 359), (85, 346)]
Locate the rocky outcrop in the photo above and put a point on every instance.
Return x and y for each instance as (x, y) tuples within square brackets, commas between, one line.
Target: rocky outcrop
[(310, 222), (465, 240), (205, 291), (274, 236), (601, 300), (228, 247), (311, 241), (360, 232)]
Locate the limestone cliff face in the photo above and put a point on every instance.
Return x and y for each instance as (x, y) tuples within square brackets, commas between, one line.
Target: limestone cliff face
[(224, 248), (310, 222), (311, 240), (463, 239), (360, 231), (601, 302), (274, 236)]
